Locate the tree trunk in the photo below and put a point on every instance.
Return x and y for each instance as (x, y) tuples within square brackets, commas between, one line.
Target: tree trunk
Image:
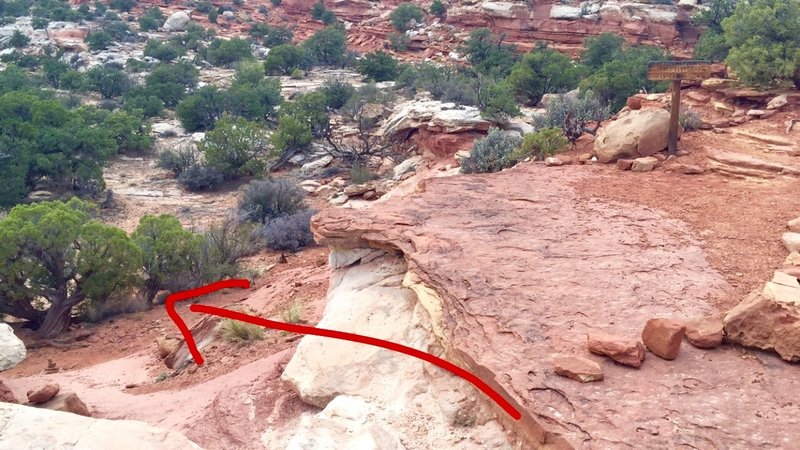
[(56, 320), (150, 291), (22, 309)]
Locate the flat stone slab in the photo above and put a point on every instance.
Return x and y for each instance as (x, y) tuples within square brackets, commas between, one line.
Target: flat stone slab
[(526, 268)]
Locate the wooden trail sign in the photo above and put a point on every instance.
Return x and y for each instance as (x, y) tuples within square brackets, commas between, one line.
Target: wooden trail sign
[(677, 71)]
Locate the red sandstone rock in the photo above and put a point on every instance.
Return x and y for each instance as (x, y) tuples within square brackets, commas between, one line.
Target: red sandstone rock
[(700, 97), (44, 394), (622, 350), (6, 395), (577, 368), (624, 164), (68, 403), (634, 103), (663, 337), (705, 332)]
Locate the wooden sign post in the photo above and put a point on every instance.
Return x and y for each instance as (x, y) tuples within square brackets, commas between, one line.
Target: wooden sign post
[(677, 71)]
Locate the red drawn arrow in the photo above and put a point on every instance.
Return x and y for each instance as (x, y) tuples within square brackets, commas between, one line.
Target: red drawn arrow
[(303, 329)]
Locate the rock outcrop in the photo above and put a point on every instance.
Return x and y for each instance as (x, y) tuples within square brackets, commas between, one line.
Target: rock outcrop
[(769, 319), (178, 21), (27, 427), (522, 267), (634, 134), (371, 295), (12, 349)]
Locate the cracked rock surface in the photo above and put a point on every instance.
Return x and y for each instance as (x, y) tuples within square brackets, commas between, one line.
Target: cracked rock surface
[(526, 268)]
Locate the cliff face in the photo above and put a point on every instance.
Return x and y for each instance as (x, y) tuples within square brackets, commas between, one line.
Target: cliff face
[(564, 24)]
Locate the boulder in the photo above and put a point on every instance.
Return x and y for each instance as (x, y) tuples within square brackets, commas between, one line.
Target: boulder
[(163, 129), (794, 225), (792, 241), (178, 21), (317, 164), (769, 319), (435, 116), (12, 349), (629, 352), (409, 165), (44, 394), (646, 164), (624, 164), (663, 337), (578, 368), (565, 12), (634, 134), (778, 102), (28, 427), (553, 161), (699, 97), (705, 332), (167, 345), (6, 395), (68, 402)]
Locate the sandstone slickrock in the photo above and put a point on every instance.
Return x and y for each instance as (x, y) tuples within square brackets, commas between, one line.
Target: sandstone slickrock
[(178, 21), (634, 134), (28, 427), (506, 311), (663, 337), (629, 352), (44, 394), (769, 319), (687, 169), (716, 84), (578, 368), (12, 349), (705, 332)]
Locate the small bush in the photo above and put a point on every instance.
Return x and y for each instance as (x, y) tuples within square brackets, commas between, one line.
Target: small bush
[(437, 8), (276, 2), (402, 16), (360, 174), (399, 42), (378, 66), (297, 74), (270, 199), (177, 160), (337, 92), (240, 332), (292, 313), (689, 120), (199, 177), (541, 144), (289, 233), (492, 153)]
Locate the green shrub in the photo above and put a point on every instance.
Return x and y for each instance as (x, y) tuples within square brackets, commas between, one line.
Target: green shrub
[(572, 113), (169, 82), (164, 52), (496, 101), (178, 159), (402, 16), (378, 66), (543, 143), (399, 42), (543, 71), (203, 7), (492, 153), (222, 52), (328, 47), (337, 92), (201, 110), (764, 40), (151, 20), (297, 74), (487, 53), (438, 9), (122, 5), (289, 233), (292, 135), (328, 18), (241, 332), (99, 40), (255, 101), (213, 15), (110, 82), (200, 177), (285, 58), (139, 98), (711, 46), (317, 10), (235, 147), (619, 78), (276, 2), (19, 40), (600, 49), (360, 174), (264, 201)]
